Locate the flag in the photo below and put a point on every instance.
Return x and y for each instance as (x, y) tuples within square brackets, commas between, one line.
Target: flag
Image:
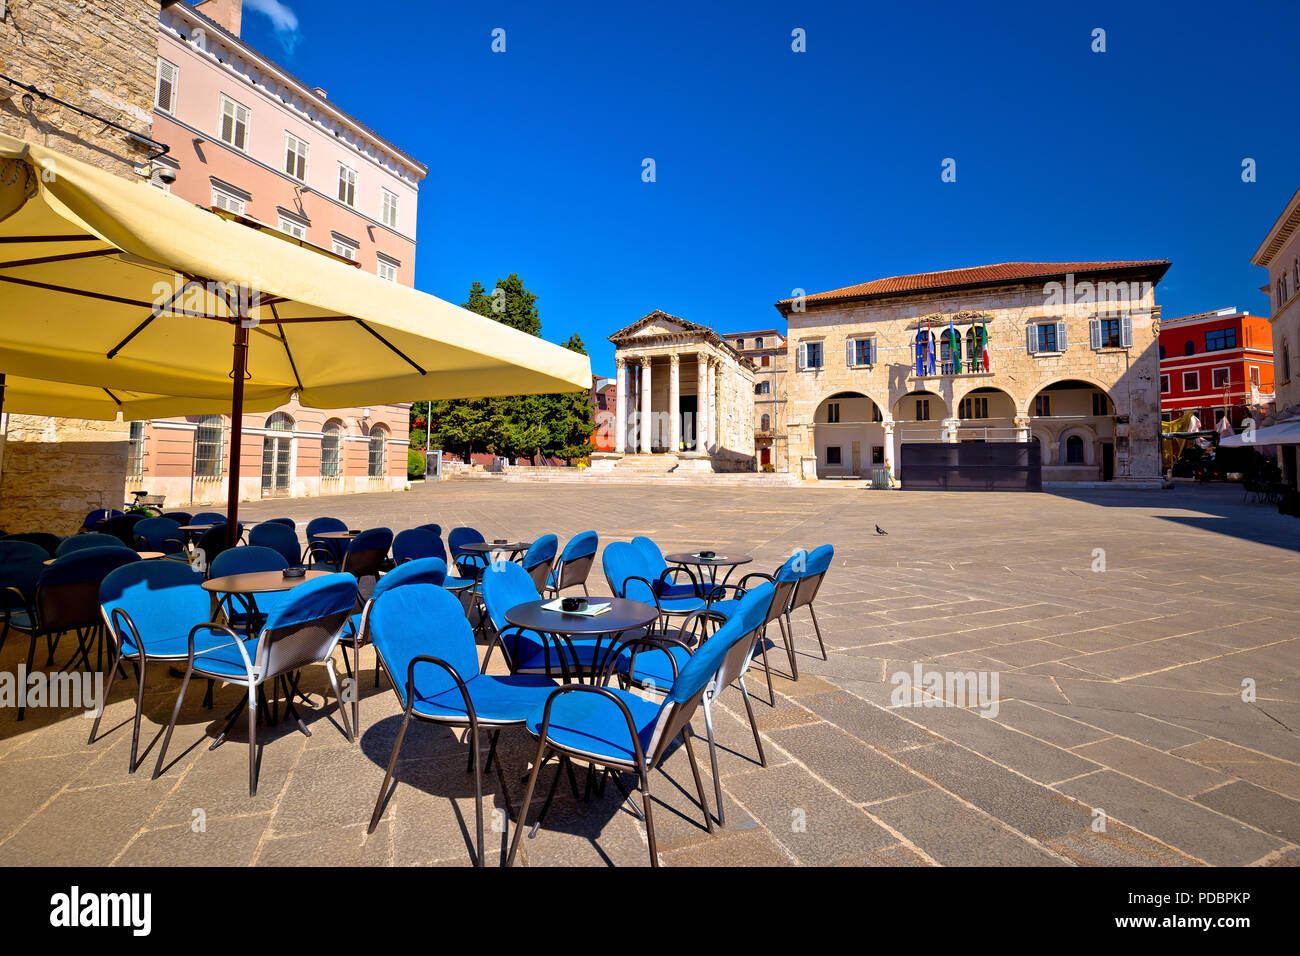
[(954, 346), (929, 348), (984, 346), (920, 352)]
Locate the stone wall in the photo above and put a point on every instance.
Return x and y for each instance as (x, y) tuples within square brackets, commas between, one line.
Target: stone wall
[(102, 57), (1130, 377)]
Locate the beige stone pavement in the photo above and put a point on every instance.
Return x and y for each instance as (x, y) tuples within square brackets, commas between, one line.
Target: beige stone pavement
[(1119, 700)]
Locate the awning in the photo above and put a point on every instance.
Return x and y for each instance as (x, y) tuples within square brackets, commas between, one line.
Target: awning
[(1284, 433), (117, 285)]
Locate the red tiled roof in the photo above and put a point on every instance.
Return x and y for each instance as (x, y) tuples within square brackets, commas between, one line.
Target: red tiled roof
[(974, 276)]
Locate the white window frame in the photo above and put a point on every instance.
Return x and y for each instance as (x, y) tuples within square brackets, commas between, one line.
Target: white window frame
[(291, 144), (851, 351), (170, 106), (832, 413), (839, 450), (386, 268), (1125, 332), (345, 249), (1197, 377), (221, 122), (803, 355), (225, 199), (1227, 370), (1062, 338), (348, 176), (389, 200), (292, 227)]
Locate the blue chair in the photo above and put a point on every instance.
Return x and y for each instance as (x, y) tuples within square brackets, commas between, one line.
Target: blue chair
[(209, 517), (331, 549), (160, 534), (363, 558), (539, 557), (435, 528), (242, 612), (417, 571), (469, 564), (180, 517), (49, 542), (427, 646), (122, 527), (95, 519), (416, 543), (303, 630), (278, 537), (624, 732), (662, 575), (575, 563), (631, 576), (21, 565), (81, 542), (149, 608), (212, 543), (506, 585), (287, 522), (807, 584), (67, 600)]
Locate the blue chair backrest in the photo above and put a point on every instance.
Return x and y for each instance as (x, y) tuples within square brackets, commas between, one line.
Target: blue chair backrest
[(97, 517), (81, 542), (161, 597), (209, 517), (622, 561), (180, 517), (277, 537), (505, 585), (67, 592), (654, 557), (819, 561), (49, 542), (159, 534), (435, 528), (542, 551), (418, 571), (287, 522), (790, 570), (305, 625), (580, 545), (749, 615), (420, 620), (416, 543), (460, 537), (246, 560), (89, 564), (372, 539), (21, 564), (317, 525), (328, 596)]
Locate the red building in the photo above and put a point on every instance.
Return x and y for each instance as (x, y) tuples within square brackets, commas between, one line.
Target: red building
[(1215, 363), (604, 399)]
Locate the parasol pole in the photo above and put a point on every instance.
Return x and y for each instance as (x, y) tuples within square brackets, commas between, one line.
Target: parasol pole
[(236, 427)]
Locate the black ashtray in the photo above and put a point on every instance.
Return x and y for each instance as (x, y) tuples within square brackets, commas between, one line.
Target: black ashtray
[(708, 554), (297, 572), (354, 530), (500, 541), (573, 604)]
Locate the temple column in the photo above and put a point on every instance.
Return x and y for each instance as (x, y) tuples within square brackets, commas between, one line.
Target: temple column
[(620, 405), (674, 403), (889, 447), (701, 400), (645, 405), (711, 407)]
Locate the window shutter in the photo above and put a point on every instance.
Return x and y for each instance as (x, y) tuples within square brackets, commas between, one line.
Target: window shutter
[(871, 351), (803, 355), (1094, 332), (1031, 339), (1126, 331), (848, 356), (1061, 343)]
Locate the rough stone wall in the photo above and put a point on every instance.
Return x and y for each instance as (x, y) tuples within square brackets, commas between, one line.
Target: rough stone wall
[(1129, 376), (736, 412), (102, 57)]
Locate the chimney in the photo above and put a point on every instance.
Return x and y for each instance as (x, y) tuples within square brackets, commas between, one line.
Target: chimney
[(322, 94), (226, 13)]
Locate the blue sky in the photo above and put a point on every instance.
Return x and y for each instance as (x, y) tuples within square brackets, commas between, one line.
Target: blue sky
[(777, 170)]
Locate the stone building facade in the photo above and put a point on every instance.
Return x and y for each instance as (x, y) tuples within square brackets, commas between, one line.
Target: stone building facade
[(101, 57), (1279, 253), (765, 348), (682, 393), (1073, 365)]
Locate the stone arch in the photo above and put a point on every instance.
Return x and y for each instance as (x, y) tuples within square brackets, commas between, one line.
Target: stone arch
[(1034, 390)]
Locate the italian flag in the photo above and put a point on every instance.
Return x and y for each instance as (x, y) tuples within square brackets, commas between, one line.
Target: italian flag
[(984, 347)]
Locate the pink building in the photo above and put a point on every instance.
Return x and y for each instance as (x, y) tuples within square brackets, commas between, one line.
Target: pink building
[(252, 142)]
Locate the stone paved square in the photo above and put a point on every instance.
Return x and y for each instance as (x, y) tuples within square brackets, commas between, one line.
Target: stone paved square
[(1119, 693)]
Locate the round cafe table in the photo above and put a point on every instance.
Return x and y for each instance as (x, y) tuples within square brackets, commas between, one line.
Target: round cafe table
[(144, 556), (721, 559), (623, 615), (488, 547), (336, 535)]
